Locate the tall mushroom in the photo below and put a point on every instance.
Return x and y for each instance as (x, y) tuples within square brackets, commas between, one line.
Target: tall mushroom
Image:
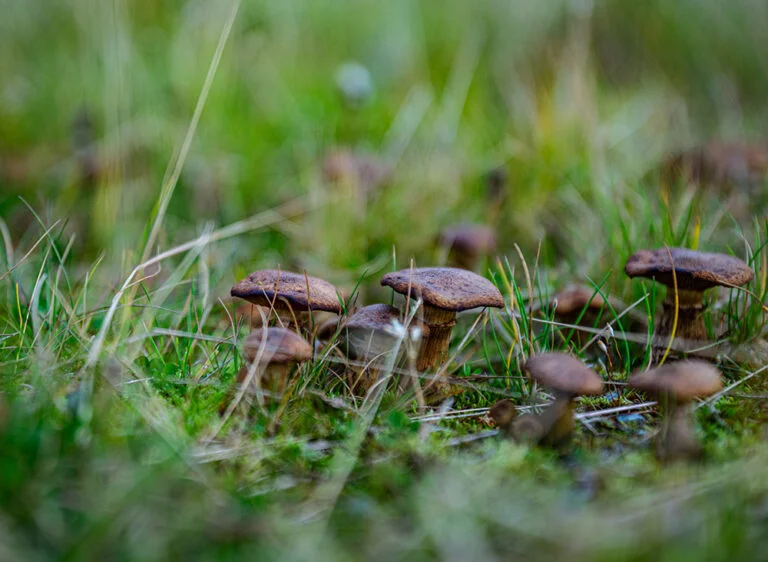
[(278, 351), (444, 291), (567, 378), (467, 244), (370, 335), (676, 385), (290, 295), (694, 273)]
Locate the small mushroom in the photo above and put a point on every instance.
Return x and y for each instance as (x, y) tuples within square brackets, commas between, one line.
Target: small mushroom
[(444, 291), (290, 295), (468, 244), (694, 273), (503, 413), (676, 385), (328, 328), (370, 335), (83, 140), (718, 164), (281, 350), (497, 180), (567, 378), (578, 305), (365, 172)]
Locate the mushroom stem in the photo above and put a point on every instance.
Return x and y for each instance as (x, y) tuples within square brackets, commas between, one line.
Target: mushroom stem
[(273, 378), (526, 429), (463, 259), (676, 439), (690, 322), (361, 380), (557, 420), (435, 345)]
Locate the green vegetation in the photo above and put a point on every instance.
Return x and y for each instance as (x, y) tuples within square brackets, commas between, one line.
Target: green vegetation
[(154, 153)]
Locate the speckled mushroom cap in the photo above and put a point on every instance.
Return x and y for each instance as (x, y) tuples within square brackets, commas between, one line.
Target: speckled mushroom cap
[(682, 380), (300, 291), (280, 346), (564, 373), (380, 317), (575, 298), (471, 238), (447, 288), (371, 331), (695, 271)]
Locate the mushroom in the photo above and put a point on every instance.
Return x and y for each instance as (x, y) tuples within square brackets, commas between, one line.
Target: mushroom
[(676, 385), (365, 172), (694, 273), (289, 294), (567, 378), (718, 163), (281, 350), (444, 291), (467, 244), (503, 413), (578, 305), (370, 335)]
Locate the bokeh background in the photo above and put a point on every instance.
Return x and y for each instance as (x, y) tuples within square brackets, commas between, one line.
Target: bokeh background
[(357, 130)]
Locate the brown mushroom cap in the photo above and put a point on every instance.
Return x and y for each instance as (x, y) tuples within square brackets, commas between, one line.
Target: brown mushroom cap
[(502, 412), (370, 331), (695, 271), (280, 346), (564, 373), (682, 380), (447, 288), (575, 298), (302, 292), (469, 238)]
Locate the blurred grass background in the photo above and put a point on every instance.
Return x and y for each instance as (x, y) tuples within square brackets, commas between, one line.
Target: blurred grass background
[(577, 101)]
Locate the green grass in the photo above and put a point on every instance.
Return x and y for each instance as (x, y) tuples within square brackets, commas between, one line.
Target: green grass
[(119, 343)]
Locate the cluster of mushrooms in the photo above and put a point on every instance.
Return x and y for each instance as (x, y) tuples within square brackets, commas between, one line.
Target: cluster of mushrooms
[(433, 296)]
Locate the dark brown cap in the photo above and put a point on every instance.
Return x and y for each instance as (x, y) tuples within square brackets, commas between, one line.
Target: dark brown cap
[(503, 412), (576, 298), (371, 330), (447, 288), (280, 346), (301, 292), (695, 271), (682, 380), (469, 238), (564, 373)]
